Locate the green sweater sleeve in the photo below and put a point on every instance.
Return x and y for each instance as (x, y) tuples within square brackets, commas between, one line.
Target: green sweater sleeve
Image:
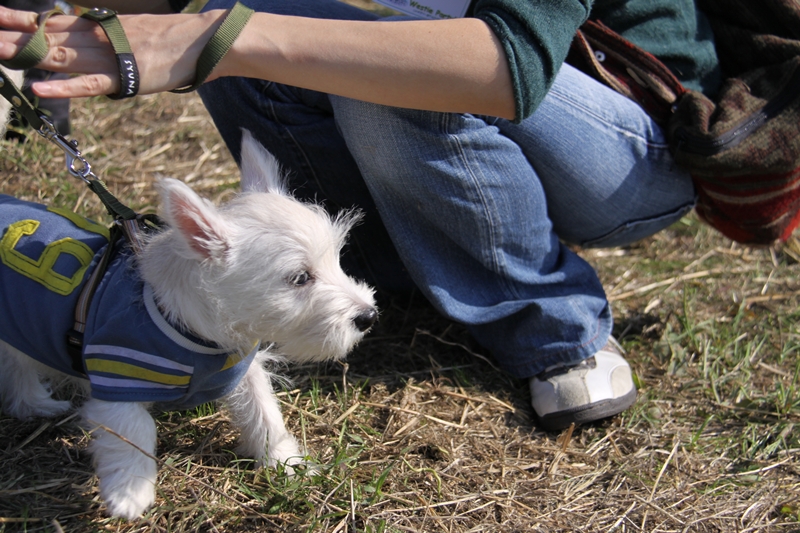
[(536, 35)]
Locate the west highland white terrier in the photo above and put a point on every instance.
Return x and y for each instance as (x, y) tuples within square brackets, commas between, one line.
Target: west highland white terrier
[(183, 322)]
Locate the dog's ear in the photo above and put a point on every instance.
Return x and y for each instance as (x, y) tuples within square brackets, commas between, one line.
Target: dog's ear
[(196, 220), (260, 169)]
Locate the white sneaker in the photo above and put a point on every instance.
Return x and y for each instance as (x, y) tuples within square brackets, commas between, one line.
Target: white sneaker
[(596, 388)]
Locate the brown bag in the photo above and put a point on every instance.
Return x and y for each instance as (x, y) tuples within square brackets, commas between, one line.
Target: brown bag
[(742, 148)]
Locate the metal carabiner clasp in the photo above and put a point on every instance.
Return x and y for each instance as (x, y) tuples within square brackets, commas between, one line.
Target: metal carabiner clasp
[(77, 165)]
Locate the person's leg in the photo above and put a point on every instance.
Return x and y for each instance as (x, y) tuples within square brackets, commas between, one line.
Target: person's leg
[(610, 182), (468, 215), (604, 164), (468, 202), (469, 205)]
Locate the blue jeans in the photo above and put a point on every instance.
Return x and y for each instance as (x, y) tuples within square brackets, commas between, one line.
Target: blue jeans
[(473, 210)]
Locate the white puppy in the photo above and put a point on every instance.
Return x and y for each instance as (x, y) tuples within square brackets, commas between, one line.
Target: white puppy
[(179, 324)]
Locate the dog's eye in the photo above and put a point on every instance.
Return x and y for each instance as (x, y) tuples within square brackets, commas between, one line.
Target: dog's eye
[(300, 279)]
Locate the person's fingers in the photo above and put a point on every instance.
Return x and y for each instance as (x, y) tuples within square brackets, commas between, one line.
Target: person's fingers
[(28, 21), (91, 58), (74, 44), (24, 21), (11, 47), (99, 61), (88, 85)]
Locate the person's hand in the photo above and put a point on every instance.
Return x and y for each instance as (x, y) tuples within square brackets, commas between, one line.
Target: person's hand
[(166, 48)]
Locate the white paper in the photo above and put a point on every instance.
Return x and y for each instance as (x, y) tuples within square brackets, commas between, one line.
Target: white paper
[(431, 9)]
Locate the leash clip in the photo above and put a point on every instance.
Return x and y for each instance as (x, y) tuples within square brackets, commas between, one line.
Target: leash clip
[(83, 169)]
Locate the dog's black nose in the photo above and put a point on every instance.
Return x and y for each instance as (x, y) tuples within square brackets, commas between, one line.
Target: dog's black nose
[(365, 319)]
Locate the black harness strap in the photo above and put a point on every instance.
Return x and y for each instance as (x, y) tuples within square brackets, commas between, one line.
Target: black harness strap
[(132, 231), (75, 335)]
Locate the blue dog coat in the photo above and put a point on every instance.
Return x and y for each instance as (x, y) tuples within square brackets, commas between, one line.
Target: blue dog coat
[(130, 352)]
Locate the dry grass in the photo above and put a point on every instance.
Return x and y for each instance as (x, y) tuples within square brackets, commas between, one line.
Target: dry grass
[(419, 431)]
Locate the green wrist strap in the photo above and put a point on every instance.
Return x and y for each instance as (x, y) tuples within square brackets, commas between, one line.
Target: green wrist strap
[(219, 44), (35, 49), (128, 71)]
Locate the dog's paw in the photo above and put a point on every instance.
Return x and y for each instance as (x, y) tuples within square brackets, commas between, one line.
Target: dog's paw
[(296, 465), (293, 465), (285, 452), (127, 495)]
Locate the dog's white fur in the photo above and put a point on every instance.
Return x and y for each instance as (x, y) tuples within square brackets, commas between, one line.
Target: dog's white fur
[(263, 267), (5, 106)]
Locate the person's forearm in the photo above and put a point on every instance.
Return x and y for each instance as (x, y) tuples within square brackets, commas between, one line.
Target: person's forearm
[(454, 65), (445, 65)]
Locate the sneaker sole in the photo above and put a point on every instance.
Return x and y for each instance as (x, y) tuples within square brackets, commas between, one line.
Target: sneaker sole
[(587, 413)]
